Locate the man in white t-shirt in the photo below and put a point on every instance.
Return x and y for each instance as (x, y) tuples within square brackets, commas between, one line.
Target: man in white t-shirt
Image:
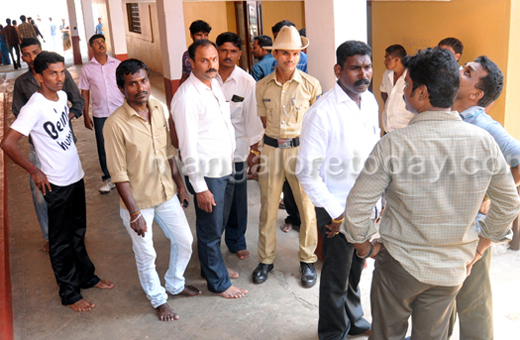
[(395, 116), (46, 118)]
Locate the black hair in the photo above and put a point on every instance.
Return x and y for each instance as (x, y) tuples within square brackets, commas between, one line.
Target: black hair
[(23, 18), (129, 66), (1, 27), (193, 47), (396, 51), (200, 26), (303, 32), (8, 21), (42, 60), (351, 48), (454, 43), (94, 37), (491, 84), (264, 40), (14, 22), (438, 70), (30, 41), (278, 26), (229, 37)]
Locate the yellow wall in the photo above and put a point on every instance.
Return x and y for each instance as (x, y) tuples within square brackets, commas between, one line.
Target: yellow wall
[(275, 11), (220, 15), (482, 25), (512, 121), (145, 46)]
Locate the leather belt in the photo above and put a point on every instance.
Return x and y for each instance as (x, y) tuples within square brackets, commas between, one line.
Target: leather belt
[(282, 143)]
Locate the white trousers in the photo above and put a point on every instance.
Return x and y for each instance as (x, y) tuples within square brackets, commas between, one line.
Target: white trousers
[(172, 220)]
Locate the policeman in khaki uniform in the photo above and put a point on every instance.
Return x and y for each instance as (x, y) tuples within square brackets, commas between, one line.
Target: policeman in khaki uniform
[(283, 97)]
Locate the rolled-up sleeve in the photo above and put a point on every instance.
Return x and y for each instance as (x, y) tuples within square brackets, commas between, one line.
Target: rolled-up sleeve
[(370, 185), (116, 153)]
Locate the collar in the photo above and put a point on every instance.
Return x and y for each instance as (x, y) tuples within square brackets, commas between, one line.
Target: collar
[(152, 106), (232, 76), (109, 60), (200, 86), (471, 112), (28, 76), (436, 116), (267, 56), (296, 76)]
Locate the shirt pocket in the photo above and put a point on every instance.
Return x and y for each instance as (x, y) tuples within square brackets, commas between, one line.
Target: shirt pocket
[(300, 107), (236, 111)]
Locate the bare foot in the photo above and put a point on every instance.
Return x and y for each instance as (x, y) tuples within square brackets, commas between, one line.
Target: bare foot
[(233, 293), (286, 227), (46, 246), (243, 254), (190, 290), (232, 274), (104, 284), (166, 313), (82, 305)]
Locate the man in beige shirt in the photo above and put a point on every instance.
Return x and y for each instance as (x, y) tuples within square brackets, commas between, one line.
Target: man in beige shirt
[(283, 97), (435, 173), (140, 160)]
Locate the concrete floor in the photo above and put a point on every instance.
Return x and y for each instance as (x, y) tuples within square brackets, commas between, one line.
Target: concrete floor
[(277, 309)]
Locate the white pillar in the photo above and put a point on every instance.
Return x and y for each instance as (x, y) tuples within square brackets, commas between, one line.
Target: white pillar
[(173, 42), (88, 18), (117, 31), (330, 23), (74, 34)]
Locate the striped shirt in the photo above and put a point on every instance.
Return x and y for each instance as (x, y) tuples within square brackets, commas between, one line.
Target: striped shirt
[(435, 173)]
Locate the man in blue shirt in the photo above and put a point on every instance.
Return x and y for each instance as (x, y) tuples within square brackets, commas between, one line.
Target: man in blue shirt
[(481, 83), (99, 27), (263, 66)]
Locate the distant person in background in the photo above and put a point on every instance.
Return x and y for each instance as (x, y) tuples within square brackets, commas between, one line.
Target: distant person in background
[(15, 25), (303, 33), (453, 45), (99, 27), (65, 38), (26, 30), (13, 42), (265, 58), (395, 115), (4, 50), (54, 36), (37, 30), (198, 30)]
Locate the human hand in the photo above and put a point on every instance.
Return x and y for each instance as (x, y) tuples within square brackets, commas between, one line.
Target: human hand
[(206, 201), (139, 226), (484, 207), (41, 181), (89, 124)]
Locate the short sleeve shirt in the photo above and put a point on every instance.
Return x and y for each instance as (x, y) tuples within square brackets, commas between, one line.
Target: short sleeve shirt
[(48, 124), (284, 105)]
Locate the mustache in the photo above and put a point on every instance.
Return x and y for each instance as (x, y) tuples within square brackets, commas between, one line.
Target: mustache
[(362, 82), (140, 93), (211, 70), (228, 60)]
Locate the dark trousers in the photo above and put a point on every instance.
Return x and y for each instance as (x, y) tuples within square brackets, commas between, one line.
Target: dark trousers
[(210, 227), (237, 221), (293, 215), (340, 310), (16, 48), (67, 225), (100, 142)]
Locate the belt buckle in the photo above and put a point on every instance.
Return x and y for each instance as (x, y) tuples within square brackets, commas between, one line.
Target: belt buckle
[(284, 143)]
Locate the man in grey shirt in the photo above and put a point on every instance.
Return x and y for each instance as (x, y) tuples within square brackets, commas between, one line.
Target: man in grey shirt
[(24, 87), (435, 174)]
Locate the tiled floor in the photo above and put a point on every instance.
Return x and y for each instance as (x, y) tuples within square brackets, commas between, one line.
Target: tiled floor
[(278, 309)]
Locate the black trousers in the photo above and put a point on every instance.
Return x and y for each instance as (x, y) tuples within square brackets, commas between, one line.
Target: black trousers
[(67, 225), (100, 143), (340, 311), (16, 48), (293, 215)]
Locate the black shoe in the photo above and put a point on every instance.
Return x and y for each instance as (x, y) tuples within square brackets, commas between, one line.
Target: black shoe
[(260, 272), (309, 276)]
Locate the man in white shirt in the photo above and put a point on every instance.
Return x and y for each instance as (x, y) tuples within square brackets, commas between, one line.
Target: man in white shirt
[(207, 144), (46, 118), (395, 115), (99, 76), (338, 133), (239, 91)]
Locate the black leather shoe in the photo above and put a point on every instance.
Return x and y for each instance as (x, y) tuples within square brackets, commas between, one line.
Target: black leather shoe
[(260, 272), (309, 276)]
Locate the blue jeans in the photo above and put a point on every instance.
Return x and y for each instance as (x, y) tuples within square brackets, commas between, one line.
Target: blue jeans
[(40, 205), (100, 142), (210, 227), (237, 221)]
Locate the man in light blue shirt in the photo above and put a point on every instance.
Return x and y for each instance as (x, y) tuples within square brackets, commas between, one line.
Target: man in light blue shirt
[(263, 66), (481, 83)]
